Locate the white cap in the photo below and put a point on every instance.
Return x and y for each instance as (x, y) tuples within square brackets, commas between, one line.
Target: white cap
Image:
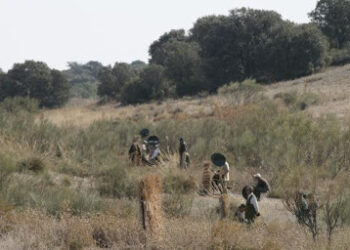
[(257, 175)]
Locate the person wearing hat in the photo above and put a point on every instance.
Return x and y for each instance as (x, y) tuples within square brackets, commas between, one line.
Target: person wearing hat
[(221, 176), (262, 186), (184, 155), (252, 207)]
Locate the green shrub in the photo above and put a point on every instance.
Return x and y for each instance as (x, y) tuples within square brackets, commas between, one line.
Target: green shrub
[(33, 164), (298, 102), (41, 192), (115, 182), (18, 104), (85, 201), (7, 167), (289, 98), (242, 92), (340, 56), (177, 205), (179, 184)]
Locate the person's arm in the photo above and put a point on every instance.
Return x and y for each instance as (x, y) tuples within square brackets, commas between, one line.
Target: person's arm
[(155, 153), (254, 202)]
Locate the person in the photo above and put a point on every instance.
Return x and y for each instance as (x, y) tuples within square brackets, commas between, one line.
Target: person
[(216, 182), (303, 211), (153, 158), (252, 207), (225, 176), (184, 155), (135, 154), (239, 214), (262, 186)]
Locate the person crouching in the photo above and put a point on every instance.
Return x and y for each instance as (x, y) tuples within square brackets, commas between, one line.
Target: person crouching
[(252, 207)]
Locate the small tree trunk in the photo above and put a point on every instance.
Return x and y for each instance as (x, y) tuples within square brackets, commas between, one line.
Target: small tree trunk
[(151, 206), (224, 205)]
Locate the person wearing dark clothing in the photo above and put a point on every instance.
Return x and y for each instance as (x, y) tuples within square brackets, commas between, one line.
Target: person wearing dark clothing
[(239, 214), (216, 182), (262, 186), (252, 207), (184, 155), (135, 154)]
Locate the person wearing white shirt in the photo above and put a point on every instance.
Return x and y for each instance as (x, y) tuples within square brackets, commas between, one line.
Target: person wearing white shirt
[(252, 207), (225, 176)]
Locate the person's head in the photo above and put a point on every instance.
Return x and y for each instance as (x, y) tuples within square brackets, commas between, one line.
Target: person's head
[(135, 139), (246, 191), (249, 190), (242, 207), (257, 176), (181, 140)]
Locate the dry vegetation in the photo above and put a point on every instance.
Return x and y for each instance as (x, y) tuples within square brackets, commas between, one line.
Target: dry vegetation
[(66, 183)]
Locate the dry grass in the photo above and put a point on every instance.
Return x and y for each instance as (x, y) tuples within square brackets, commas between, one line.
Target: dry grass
[(34, 230), (118, 225), (332, 86)]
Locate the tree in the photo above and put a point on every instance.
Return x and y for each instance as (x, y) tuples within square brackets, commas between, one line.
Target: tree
[(183, 66), (219, 41), (138, 65), (35, 80), (112, 80), (297, 50), (173, 35), (235, 47), (257, 44), (333, 18), (152, 84)]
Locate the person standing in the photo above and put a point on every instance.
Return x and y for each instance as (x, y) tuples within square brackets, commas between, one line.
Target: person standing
[(252, 207), (261, 187), (184, 155), (225, 176), (135, 154)]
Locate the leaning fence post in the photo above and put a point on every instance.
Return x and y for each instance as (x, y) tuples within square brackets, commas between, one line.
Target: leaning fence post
[(151, 206), (224, 205)]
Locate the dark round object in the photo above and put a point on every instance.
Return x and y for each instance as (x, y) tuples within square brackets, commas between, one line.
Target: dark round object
[(218, 159), (144, 132), (153, 140), (245, 191)]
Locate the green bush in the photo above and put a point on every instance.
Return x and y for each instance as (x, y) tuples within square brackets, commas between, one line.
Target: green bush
[(115, 182), (7, 167), (177, 205), (180, 184), (33, 164), (18, 104), (298, 102), (242, 92), (340, 56), (40, 192)]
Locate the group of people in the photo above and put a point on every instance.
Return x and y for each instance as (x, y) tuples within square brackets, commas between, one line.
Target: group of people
[(252, 194), (145, 151)]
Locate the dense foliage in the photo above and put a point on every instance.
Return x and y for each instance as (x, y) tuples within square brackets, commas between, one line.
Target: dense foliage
[(333, 16), (248, 43), (83, 78), (217, 50), (35, 80)]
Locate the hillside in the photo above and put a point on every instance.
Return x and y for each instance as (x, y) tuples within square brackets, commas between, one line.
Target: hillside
[(66, 176), (332, 86)]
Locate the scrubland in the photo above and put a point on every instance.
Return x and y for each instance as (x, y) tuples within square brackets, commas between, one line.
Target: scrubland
[(66, 183)]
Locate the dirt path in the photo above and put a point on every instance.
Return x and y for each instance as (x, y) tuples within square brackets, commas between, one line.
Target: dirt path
[(272, 210)]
